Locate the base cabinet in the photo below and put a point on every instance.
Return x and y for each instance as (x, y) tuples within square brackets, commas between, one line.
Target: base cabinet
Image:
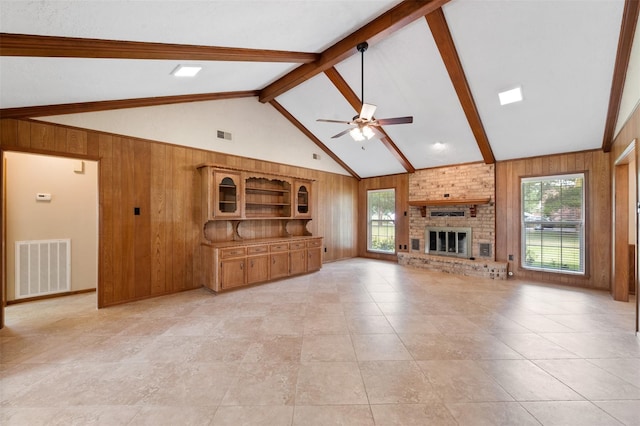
[(279, 266), (257, 269), (298, 259), (314, 259), (235, 264), (232, 273)]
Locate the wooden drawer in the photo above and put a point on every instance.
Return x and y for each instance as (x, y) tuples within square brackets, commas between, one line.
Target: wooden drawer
[(279, 247), (232, 252), (257, 249), (297, 245), (314, 243)]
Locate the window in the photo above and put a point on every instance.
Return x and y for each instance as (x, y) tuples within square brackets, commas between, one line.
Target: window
[(381, 226), (553, 223)]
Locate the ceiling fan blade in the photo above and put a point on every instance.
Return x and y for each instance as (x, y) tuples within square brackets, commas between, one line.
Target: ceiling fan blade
[(366, 113), (396, 120), (333, 121), (342, 133)]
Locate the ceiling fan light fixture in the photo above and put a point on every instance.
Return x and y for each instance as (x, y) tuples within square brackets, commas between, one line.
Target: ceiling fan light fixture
[(368, 132), (510, 96), (186, 70), (357, 134), (360, 134)]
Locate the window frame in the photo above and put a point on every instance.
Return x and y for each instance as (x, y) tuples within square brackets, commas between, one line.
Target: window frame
[(581, 224), (370, 220)]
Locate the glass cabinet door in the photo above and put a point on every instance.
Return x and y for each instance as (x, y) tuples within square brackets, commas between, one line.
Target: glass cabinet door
[(226, 197), (302, 199)]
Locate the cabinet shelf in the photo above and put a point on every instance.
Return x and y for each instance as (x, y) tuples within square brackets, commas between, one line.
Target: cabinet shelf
[(270, 190), (258, 204)]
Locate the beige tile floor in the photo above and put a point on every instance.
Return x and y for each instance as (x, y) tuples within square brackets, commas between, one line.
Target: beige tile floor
[(359, 343)]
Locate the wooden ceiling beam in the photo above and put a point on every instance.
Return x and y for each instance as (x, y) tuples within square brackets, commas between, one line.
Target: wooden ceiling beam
[(625, 42), (311, 136), (390, 21), (355, 102), (442, 36), (74, 47), (74, 108)]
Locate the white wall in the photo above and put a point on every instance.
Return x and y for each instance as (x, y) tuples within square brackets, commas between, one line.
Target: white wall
[(259, 131), (71, 213)]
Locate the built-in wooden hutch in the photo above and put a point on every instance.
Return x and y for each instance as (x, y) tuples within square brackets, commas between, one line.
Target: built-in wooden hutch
[(255, 227)]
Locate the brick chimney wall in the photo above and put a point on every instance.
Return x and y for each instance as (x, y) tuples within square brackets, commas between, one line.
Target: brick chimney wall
[(465, 181)]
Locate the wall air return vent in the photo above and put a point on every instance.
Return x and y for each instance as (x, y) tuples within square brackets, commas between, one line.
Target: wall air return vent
[(42, 267)]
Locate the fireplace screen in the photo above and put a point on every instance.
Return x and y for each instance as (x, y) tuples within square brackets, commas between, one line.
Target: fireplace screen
[(448, 241)]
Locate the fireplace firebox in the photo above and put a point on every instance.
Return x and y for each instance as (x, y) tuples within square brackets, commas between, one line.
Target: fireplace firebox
[(448, 241)]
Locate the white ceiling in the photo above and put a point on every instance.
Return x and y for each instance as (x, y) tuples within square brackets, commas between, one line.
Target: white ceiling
[(561, 52)]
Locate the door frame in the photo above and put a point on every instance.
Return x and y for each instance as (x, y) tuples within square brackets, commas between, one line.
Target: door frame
[(3, 224), (621, 212)]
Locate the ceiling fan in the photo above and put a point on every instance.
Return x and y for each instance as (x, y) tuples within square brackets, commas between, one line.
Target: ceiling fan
[(366, 126)]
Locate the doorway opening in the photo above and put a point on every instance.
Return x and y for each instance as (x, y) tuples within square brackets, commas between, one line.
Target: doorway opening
[(50, 223), (626, 233)]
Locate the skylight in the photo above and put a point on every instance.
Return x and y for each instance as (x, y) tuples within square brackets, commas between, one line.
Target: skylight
[(186, 70), (510, 96)]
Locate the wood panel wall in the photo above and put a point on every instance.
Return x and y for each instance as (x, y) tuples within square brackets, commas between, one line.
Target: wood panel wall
[(157, 251), (629, 132), (401, 185), (596, 165)]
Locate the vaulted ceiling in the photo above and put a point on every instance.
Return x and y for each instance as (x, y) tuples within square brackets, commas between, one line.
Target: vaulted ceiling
[(442, 62)]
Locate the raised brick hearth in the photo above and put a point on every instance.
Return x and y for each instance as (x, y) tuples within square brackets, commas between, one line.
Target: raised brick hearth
[(471, 268)]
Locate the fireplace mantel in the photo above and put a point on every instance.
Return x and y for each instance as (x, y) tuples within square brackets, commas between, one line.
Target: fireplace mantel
[(471, 202), (451, 202)]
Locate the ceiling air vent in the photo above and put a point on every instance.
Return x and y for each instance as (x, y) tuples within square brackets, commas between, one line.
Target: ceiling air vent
[(223, 135)]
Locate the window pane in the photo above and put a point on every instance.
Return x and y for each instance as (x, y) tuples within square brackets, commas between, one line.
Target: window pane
[(381, 235), (553, 223)]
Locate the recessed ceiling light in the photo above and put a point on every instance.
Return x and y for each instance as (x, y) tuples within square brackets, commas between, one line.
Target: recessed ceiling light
[(186, 70), (510, 96)]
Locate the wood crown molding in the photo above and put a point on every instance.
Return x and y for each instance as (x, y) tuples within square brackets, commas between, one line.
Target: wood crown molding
[(355, 102), (282, 110), (625, 42), (80, 107), (442, 36), (75, 47), (390, 21)]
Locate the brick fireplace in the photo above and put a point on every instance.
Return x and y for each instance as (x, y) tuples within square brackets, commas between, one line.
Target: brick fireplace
[(443, 195)]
